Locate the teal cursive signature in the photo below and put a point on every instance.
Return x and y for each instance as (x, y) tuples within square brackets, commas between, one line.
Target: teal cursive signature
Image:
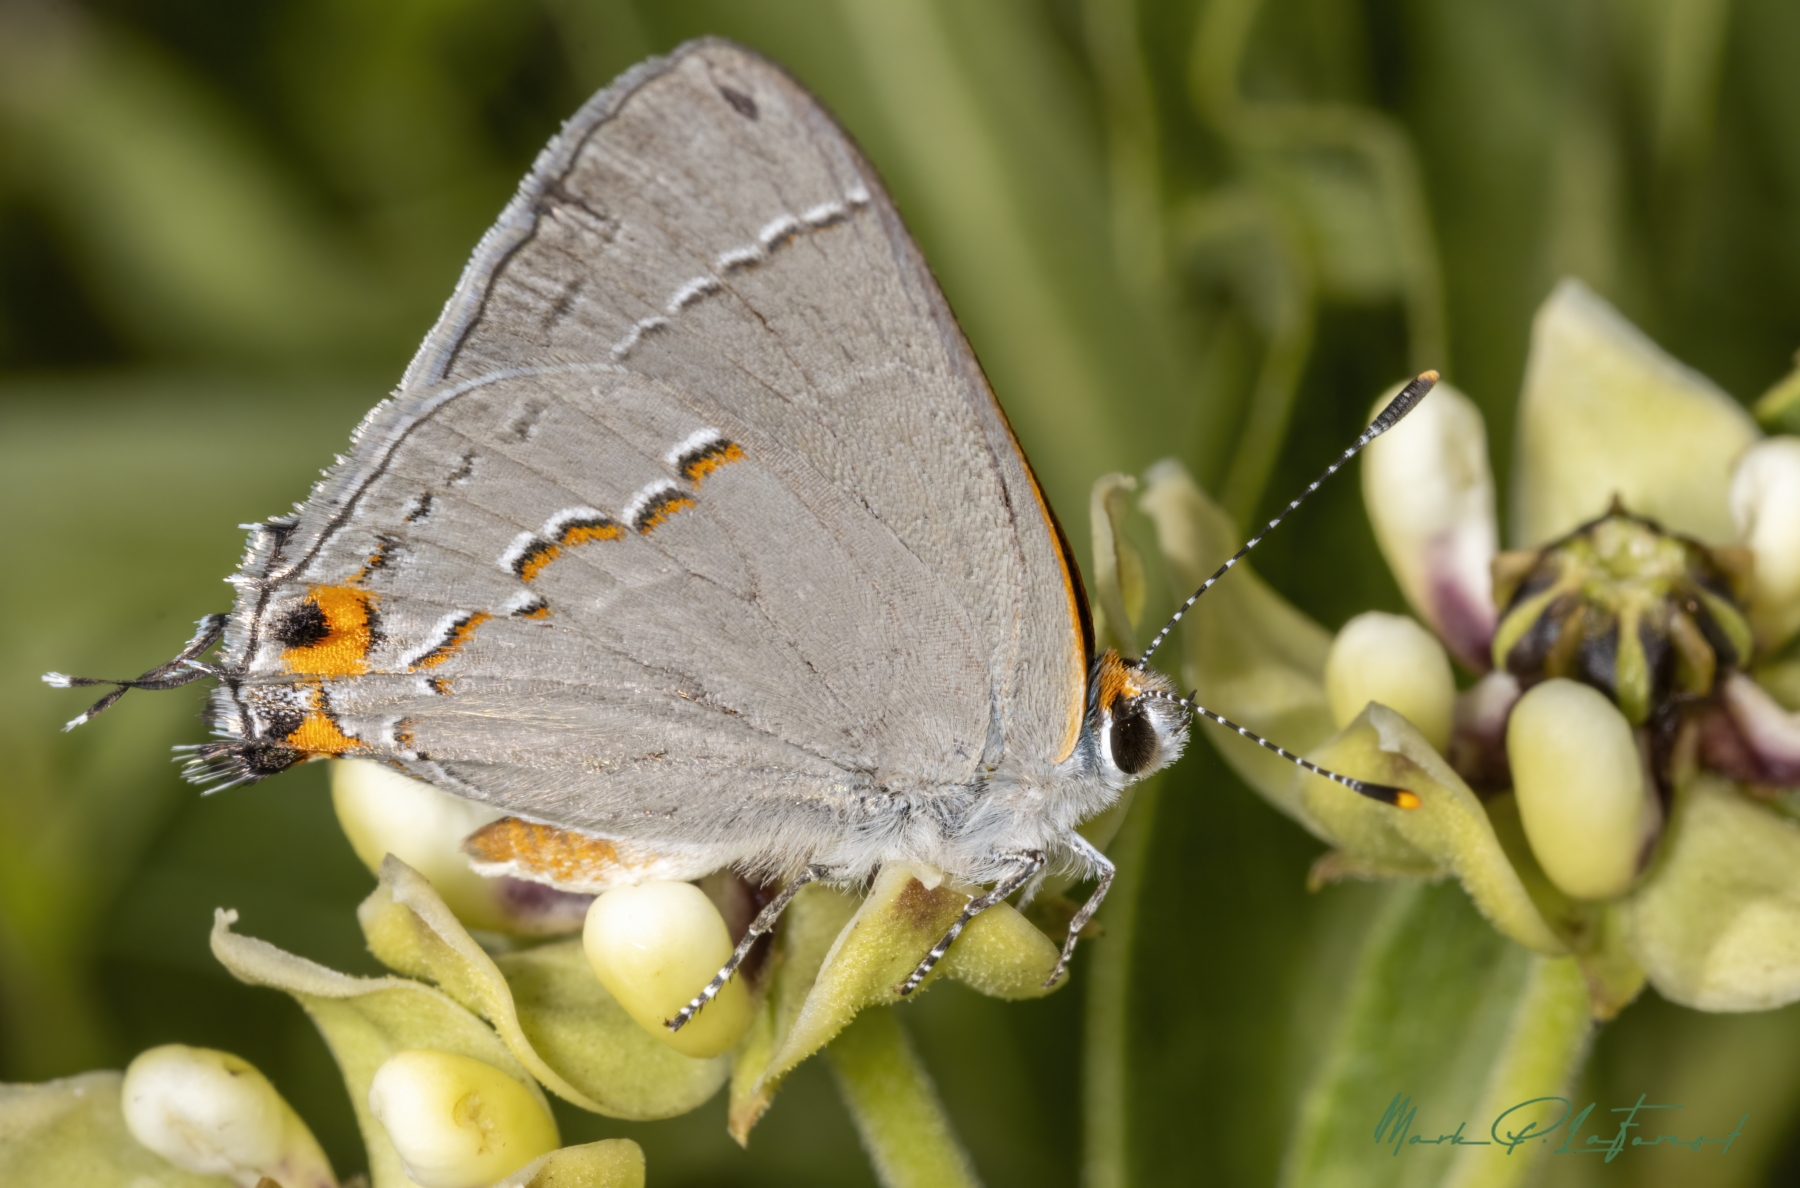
[(1537, 1119)]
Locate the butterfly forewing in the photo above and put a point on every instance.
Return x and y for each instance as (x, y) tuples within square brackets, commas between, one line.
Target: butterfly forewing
[(694, 498)]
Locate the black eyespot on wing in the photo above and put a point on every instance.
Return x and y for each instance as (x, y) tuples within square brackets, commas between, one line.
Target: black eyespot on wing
[(1133, 739), (302, 626), (742, 103)]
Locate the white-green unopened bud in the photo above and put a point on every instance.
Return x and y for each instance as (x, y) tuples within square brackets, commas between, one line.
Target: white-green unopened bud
[(213, 1113), (1430, 497), (1765, 502), (383, 812), (458, 1122), (1392, 660), (653, 947), (1582, 789)]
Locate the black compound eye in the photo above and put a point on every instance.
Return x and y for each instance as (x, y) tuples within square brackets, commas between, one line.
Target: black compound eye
[(1132, 740)]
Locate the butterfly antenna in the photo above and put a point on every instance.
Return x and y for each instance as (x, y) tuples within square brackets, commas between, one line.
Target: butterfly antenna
[(184, 669), (1385, 793), (1390, 416)]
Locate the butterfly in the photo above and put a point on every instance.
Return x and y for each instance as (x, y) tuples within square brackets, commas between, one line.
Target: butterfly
[(695, 539)]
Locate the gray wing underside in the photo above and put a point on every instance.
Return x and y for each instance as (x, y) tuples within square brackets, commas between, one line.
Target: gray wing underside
[(869, 598)]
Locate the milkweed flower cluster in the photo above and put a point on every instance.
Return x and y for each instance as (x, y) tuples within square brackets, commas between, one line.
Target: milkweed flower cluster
[(505, 993), (1619, 778)]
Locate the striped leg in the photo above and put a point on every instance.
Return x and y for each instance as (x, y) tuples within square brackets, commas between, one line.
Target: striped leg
[(1087, 850), (764, 921), (1030, 863)]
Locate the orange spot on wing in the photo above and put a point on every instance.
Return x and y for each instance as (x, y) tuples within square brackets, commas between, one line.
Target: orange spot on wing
[(579, 534), (350, 632), (709, 460), (318, 733), (459, 635), (533, 563), (659, 513)]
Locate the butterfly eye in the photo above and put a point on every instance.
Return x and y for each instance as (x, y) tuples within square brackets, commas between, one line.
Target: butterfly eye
[(1132, 739)]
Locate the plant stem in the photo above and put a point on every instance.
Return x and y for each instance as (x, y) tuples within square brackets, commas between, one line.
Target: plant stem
[(1106, 1060), (1551, 1030), (895, 1106)]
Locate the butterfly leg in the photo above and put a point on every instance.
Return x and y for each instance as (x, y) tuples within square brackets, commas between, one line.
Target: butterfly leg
[(1087, 850), (1030, 862), (764, 921)]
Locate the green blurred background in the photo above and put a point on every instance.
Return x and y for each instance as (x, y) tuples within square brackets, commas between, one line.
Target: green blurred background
[(1208, 228)]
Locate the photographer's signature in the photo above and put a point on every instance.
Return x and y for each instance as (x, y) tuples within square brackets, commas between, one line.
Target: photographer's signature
[(1538, 1119)]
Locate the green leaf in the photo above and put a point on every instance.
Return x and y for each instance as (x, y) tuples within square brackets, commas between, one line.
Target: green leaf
[(1447, 1018), (365, 1021), (546, 1004), (71, 1134)]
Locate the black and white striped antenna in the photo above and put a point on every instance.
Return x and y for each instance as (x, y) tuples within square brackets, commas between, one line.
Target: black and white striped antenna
[(1398, 407)]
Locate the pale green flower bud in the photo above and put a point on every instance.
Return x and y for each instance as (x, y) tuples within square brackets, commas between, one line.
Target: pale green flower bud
[(1765, 502), (1392, 660), (458, 1122), (1582, 790), (213, 1113), (654, 946), (383, 812)]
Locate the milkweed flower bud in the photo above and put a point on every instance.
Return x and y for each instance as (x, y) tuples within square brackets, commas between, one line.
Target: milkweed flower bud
[(383, 812), (458, 1122), (1430, 496), (653, 946), (213, 1113), (1581, 786), (1392, 660), (1765, 502)]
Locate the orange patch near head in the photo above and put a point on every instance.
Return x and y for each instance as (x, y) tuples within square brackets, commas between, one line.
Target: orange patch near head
[(459, 635), (1115, 679), (349, 634), (318, 733)]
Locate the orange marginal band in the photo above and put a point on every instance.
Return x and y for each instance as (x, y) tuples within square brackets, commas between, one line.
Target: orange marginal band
[(349, 633), (544, 853), (658, 513), (710, 459), (459, 635)]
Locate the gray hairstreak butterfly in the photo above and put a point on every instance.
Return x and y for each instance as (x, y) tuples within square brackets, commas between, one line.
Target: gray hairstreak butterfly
[(694, 531)]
